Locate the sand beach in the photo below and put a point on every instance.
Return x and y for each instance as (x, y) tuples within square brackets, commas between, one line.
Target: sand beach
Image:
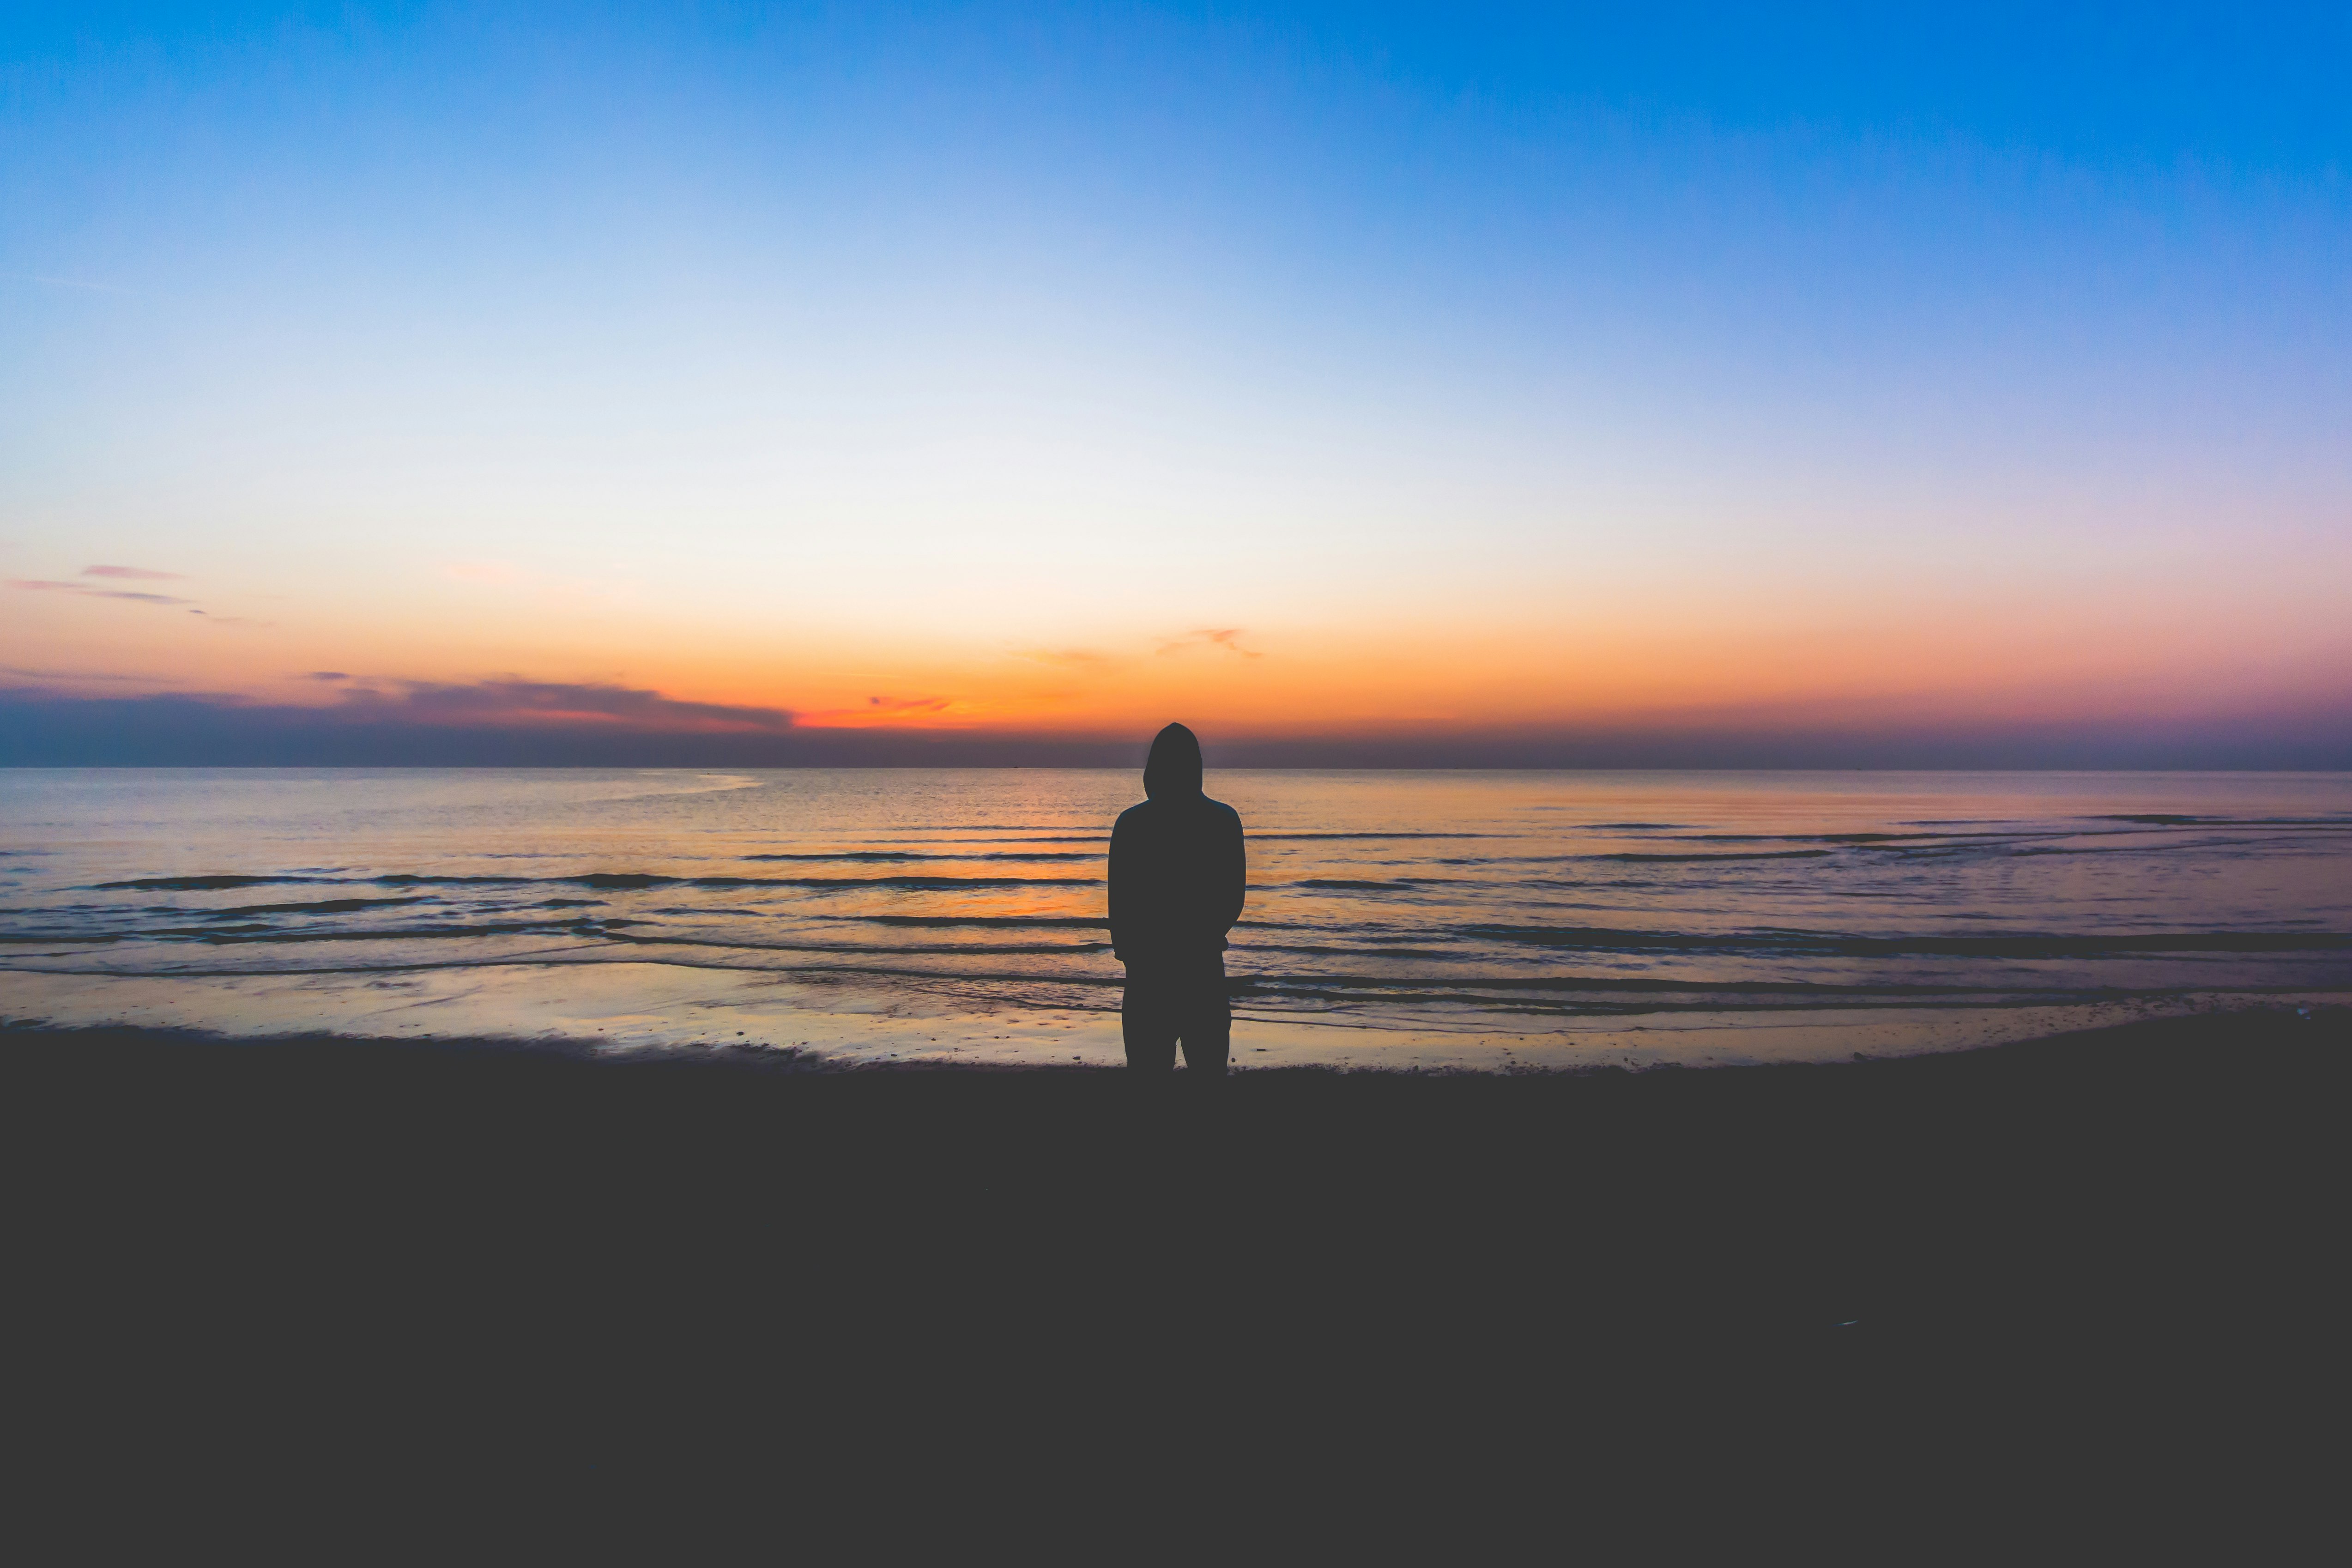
[(484, 1239)]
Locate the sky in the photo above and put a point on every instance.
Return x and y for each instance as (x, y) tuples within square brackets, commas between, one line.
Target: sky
[(1683, 383)]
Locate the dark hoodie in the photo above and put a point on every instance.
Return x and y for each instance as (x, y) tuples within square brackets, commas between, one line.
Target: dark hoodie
[(1177, 867)]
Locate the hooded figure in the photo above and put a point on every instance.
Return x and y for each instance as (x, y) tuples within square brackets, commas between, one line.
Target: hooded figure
[(1176, 875)]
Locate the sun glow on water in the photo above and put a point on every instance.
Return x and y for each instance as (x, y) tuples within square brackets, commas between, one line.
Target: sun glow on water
[(1392, 917)]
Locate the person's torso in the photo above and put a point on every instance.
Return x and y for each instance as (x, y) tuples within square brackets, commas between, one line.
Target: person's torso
[(1177, 870)]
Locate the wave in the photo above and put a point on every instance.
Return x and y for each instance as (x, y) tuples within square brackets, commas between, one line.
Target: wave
[(1006, 922), (616, 881), (1263, 838), (1458, 986), (635, 879), (221, 936), (1369, 951), (1864, 838), (268, 936), (1758, 855), (2160, 847), (251, 924), (879, 856), (1599, 938), (203, 884), (614, 927), (944, 950), (314, 907), (1033, 838), (2175, 819), (1418, 1003)]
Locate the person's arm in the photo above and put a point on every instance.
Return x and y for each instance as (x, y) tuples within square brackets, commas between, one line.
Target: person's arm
[(1232, 874), (1117, 886)]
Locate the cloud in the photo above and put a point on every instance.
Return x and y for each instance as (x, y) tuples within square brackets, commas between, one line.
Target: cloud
[(1226, 638), (493, 725), (520, 723), (506, 702), (140, 573), (87, 592), (515, 702)]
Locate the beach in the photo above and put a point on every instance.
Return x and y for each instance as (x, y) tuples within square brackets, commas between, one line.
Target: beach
[(613, 1116), (482, 1239), (674, 677)]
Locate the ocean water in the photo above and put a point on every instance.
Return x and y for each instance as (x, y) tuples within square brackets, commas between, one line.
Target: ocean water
[(1441, 917)]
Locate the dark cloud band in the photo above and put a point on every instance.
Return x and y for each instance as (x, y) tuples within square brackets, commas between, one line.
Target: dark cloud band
[(520, 723)]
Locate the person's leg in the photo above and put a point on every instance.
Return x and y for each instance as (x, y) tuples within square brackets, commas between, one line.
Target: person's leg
[(1208, 1028), (1148, 1025)]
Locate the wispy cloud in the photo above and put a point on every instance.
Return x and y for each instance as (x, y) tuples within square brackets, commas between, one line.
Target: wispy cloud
[(136, 596), (87, 592), (1226, 638), (323, 675), (140, 573)]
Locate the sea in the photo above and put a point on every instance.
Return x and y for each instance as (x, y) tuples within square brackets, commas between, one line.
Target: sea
[(1429, 921)]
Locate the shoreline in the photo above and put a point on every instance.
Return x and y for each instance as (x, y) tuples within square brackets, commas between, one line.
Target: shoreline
[(634, 1007), (2215, 1016)]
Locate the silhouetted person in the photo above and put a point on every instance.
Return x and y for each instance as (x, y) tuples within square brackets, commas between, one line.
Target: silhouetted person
[(1177, 877)]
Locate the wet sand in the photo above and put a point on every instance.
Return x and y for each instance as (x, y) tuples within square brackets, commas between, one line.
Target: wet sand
[(504, 1246), (669, 1008)]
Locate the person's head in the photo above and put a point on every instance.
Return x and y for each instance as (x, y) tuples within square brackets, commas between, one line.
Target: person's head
[(1174, 766)]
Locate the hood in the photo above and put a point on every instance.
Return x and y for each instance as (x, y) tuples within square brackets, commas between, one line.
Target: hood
[(1174, 767)]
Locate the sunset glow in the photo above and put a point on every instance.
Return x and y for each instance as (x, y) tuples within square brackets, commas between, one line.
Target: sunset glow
[(1338, 376)]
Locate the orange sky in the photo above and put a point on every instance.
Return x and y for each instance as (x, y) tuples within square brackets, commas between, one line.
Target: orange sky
[(1473, 656)]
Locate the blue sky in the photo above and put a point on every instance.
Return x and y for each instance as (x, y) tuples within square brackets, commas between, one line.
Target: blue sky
[(1488, 368)]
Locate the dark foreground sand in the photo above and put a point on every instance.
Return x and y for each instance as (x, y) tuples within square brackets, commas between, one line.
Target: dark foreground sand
[(497, 1249)]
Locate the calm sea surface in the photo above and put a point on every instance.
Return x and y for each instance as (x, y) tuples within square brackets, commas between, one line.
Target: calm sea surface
[(1505, 912)]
